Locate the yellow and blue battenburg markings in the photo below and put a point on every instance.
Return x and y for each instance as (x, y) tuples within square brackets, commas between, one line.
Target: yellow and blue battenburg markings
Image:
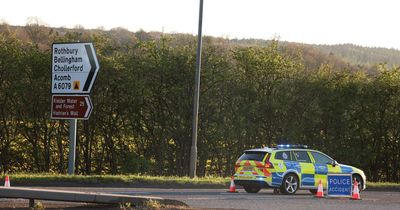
[(309, 173), (281, 168), (321, 171), (346, 169), (277, 178)]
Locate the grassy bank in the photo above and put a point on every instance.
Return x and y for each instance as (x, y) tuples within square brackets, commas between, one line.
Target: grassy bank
[(114, 181), (383, 186), (141, 181)]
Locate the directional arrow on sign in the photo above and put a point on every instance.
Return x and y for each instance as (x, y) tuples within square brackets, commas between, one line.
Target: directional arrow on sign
[(71, 107), (74, 67), (94, 67)]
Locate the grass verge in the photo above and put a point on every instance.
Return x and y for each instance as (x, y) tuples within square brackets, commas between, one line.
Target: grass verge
[(141, 181), (114, 181), (388, 186)]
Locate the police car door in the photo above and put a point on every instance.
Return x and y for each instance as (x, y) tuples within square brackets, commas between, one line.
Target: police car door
[(306, 168), (321, 164)]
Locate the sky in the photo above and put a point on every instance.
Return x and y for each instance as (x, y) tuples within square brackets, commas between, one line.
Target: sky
[(372, 23)]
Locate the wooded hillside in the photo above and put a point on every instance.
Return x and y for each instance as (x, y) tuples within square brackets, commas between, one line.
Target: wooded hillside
[(251, 96)]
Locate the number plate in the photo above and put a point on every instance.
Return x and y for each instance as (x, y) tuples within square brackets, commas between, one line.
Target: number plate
[(248, 168)]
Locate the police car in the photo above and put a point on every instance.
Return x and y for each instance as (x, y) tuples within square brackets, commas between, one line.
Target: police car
[(289, 168)]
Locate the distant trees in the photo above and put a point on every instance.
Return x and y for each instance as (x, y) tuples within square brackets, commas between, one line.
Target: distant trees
[(141, 122), (368, 57)]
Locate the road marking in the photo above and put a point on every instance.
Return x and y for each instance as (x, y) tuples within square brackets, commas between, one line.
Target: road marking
[(132, 193), (205, 198)]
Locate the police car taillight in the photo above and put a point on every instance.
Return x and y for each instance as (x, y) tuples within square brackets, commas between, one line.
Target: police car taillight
[(237, 165), (267, 163)]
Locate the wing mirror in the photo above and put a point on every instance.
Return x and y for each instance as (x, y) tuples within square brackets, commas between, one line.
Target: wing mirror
[(334, 163)]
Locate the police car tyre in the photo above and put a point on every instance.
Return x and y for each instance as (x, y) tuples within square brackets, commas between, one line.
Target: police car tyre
[(290, 184), (359, 180), (252, 189)]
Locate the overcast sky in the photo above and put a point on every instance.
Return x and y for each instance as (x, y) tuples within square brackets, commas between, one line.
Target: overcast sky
[(372, 23)]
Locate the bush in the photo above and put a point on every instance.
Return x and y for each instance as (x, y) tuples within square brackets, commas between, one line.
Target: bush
[(136, 165)]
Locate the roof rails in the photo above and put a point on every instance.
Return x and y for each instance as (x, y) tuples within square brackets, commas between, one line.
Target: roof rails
[(291, 146)]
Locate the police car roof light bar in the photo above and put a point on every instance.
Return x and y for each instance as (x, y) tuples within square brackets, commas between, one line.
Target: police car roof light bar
[(299, 146)]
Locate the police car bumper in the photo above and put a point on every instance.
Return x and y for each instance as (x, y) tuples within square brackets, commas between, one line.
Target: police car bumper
[(364, 182), (259, 183)]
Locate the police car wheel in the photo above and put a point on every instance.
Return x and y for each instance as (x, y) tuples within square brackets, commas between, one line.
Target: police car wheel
[(290, 184), (252, 189)]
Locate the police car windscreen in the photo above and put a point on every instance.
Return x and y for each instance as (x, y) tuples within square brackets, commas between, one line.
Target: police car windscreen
[(258, 156)]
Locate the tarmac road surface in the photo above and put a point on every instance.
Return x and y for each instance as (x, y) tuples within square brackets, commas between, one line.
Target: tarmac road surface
[(265, 199)]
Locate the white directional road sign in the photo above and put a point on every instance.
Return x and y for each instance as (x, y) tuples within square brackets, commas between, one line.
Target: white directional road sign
[(74, 68)]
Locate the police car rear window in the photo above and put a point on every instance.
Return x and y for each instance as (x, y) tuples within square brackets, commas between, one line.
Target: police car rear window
[(253, 155)]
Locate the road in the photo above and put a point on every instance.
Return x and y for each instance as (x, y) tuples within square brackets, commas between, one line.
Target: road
[(265, 199)]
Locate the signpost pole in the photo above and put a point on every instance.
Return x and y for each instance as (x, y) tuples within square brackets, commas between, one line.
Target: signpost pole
[(72, 146)]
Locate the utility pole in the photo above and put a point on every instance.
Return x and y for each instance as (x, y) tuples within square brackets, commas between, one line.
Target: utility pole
[(193, 150)]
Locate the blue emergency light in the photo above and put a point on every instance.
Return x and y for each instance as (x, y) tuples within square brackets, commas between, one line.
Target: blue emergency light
[(287, 146)]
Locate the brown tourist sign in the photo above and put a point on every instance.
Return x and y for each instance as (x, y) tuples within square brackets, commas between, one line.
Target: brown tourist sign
[(71, 107)]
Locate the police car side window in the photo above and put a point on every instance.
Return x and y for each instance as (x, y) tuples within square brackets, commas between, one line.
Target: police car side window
[(301, 156), (284, 155), (321, 158)]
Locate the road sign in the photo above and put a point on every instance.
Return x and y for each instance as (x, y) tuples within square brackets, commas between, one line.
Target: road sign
[(339, 185), (74, 68), (71, 107)]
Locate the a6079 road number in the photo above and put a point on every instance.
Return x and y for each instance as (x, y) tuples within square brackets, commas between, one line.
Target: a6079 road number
[(62, 86)]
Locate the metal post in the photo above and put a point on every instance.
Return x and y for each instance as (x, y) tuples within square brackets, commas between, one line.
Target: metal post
[(193, 150), (72, 146)]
